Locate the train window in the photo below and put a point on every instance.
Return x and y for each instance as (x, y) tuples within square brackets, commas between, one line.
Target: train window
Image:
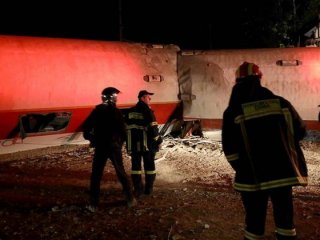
[(44, 122)]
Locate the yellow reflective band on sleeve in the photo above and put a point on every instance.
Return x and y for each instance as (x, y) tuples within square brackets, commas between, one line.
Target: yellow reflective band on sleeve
[(129, 143), (232, 157), (286, 232), (135, 115), (288, 118), (261, 108), (136, 172), (151, 172), (289, 121)]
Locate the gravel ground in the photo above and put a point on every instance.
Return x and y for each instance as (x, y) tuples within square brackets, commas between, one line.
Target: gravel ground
[(44, 192)]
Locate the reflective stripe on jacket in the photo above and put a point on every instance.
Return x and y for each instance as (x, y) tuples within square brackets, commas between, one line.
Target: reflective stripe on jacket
[(261, 142), (142, 129)]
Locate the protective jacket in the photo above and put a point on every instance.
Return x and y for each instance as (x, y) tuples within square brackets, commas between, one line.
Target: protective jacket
[(142, 129), (260, 137), (105, 127)]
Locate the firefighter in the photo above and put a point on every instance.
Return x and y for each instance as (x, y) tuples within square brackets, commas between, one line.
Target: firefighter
[(260, 137), (106, 131), (143, 141)]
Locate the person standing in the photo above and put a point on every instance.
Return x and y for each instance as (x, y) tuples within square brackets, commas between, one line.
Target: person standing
[(260, 138), (106, 131), (143, 141)]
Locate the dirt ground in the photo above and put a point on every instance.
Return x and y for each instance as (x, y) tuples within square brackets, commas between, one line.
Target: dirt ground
[(43, 194)]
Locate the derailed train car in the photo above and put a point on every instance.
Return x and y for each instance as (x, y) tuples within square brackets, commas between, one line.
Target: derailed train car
[(206, 79), (50, 85)]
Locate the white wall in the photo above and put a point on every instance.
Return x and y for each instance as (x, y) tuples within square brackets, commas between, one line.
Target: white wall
[(210, 75)]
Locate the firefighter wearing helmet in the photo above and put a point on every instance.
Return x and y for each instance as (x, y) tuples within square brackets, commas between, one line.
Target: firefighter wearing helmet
[(109, 95), (260, 138), (248, 69), (106, 131)]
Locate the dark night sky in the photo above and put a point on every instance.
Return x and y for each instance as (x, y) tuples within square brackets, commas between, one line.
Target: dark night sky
[(189, 24)]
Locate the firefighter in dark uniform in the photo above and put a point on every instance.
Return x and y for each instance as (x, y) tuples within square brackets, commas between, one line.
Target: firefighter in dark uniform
[(143, 141), (105, 129), (260, 137)]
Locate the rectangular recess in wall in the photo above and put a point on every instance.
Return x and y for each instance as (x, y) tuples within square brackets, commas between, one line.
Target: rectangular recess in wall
[(285, 63)]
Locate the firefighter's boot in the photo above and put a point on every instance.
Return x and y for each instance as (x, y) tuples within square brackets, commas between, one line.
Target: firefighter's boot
[(137, 184), (150, 178), (129, 195), (130, 199)]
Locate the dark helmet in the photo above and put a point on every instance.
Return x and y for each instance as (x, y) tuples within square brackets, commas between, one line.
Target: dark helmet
[(109, 94), (109, 91)]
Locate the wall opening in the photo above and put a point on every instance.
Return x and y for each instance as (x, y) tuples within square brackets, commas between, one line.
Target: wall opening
[(44, 122)]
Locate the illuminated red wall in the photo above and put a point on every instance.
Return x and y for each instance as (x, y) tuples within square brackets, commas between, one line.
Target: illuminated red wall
[(51, 74)]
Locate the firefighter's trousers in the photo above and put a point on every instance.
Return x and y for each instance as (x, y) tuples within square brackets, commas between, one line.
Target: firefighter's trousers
[(98, 164), (149, 171), (256, 205)]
